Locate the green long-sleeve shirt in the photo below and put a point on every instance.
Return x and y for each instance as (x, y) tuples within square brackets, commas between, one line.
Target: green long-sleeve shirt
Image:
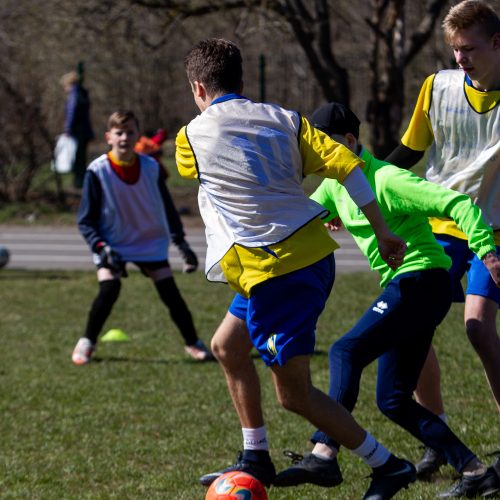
[(406, 201)]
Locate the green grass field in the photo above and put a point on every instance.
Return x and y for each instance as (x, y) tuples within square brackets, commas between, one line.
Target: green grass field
[(144, 421)]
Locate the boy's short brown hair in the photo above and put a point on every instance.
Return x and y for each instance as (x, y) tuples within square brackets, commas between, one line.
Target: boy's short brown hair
[(217, 64), (120, 117), (470, 13)]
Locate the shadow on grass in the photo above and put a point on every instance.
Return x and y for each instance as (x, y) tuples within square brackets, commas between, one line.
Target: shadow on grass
[(126, 359), (177, 361), (35, 275)]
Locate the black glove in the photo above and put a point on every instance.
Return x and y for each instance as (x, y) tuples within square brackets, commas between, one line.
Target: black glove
[(188, 256), (110, 258)]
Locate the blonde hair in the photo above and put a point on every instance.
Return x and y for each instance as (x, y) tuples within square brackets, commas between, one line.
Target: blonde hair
[(471, 13), (120, 117), (69, 79)]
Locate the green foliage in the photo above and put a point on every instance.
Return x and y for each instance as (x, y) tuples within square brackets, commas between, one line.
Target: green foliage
[(144, 421)]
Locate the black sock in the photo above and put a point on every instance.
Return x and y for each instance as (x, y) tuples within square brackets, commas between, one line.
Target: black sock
[(101, 307), (171, 297)]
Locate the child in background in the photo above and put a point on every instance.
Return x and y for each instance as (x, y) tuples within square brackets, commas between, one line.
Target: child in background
[(123, 218), (151, 145)]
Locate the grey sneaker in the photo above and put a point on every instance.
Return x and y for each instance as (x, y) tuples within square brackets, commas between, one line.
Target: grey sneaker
[(430, 463), (496, 463), (309, 469), (484, 485)]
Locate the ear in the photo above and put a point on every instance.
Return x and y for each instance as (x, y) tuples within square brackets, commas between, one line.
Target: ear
[(107, 137), (199, 89), (351, 140)]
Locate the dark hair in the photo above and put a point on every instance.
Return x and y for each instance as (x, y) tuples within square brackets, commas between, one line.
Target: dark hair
[(471, 13), (120, 117), (217, 64)]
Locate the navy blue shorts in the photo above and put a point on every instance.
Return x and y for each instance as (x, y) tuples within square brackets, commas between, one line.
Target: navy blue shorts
[(144, 267)]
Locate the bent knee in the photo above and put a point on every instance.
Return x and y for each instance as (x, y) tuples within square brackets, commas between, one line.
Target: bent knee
[(219, 349), (390, 406), (291, 403), (228, 352), (341, 350)]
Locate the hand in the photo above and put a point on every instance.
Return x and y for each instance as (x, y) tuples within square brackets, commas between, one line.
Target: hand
[(335, 224), (392, 250), (188, 256), (492, 263), (110, 258)]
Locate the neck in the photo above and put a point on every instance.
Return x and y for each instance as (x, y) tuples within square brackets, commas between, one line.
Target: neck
[(489, 82), (123, 160), (485, 86)]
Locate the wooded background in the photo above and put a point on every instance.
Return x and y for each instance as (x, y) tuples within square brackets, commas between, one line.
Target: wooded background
[(370, 54)]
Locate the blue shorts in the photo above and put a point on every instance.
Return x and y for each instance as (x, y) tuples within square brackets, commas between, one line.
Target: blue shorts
[(479, 281), (281, 313)]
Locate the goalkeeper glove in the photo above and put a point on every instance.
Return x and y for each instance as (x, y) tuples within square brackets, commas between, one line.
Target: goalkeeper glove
[(109, 258), (188, 256)]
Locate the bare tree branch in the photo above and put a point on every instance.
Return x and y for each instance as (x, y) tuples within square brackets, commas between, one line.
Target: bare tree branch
[(425, 29)]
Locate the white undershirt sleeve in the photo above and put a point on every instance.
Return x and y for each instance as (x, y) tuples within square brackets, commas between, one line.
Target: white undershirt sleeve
[(358, 188)]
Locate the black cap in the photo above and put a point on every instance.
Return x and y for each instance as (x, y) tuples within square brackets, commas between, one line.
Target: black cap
[(335, 118)]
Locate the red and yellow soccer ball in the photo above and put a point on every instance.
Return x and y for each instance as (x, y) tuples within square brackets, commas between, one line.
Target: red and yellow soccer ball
[(236, 485)]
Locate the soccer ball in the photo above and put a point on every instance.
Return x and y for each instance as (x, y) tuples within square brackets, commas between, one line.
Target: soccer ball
[(236, 485), (4, 257)]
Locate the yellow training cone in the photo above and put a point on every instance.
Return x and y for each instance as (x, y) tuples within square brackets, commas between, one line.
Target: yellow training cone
[(115, 335)]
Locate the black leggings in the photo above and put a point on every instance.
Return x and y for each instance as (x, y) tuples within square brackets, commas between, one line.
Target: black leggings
[(171, 297), (101, 307), (109, 290)]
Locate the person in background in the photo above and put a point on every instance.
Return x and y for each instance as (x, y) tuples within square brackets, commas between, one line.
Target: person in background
[(77, 121), (457, 118), (122, 217), (151, 145)]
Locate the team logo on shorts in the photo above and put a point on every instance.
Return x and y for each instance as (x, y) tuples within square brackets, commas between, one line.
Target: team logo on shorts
[(271, 344), (381, 307)]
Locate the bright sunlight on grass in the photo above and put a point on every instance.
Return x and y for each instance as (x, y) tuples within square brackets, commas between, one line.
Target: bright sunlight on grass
[(144, 421)]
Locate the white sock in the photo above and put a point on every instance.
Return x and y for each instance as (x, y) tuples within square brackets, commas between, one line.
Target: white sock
[(372, 452), (255, 439)]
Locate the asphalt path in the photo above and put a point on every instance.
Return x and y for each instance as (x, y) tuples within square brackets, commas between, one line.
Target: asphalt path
[(62, 248)]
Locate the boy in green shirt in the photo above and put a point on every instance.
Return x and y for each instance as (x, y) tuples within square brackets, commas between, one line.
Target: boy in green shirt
[(398, 327)]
